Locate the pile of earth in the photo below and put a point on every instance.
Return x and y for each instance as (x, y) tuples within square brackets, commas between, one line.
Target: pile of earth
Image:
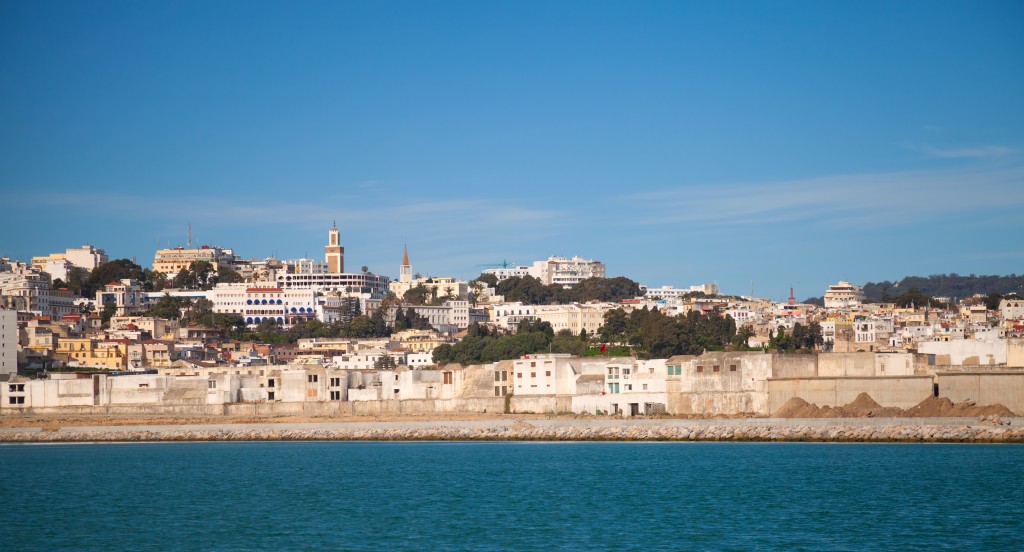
[(866, 407)]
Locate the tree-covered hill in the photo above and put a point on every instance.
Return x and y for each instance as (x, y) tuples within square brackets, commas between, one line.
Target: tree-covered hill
[(946, 285)]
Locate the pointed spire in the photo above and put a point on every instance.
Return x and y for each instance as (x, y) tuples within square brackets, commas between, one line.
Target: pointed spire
[(405, 257)]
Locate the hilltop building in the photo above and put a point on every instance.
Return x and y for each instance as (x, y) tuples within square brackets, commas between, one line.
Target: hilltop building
[(171, 261), (843, 295), (562, 271), (57, 265), (309, 274), (442, 288)]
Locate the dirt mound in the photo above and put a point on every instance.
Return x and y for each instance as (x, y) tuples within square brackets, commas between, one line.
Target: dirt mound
[(945, 408), (864, 402), (865, 407), (796, 408)]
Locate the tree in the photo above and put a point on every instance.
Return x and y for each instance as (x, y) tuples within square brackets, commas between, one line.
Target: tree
[(416, 295), (476, 288), (198, 312), (155, 281), (487, 279), (109, 310), (385, 362), (113, 271), (228, 275), (168, 308)]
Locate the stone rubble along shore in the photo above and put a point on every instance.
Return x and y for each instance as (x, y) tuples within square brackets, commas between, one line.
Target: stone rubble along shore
[(525, 432)]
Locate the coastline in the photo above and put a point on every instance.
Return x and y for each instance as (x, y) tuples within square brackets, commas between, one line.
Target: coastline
[(518, 428)]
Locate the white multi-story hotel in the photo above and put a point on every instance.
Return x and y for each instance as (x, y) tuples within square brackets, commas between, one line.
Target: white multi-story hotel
[(308, 274), (562, 271), (258, 304), (842, 295)]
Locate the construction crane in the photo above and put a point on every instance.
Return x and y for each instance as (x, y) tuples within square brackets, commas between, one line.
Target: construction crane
[(502, 264)]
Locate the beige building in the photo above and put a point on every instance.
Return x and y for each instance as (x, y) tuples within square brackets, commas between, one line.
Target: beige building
[(171, 261), (573, 317), (843, 295), (57, 264)]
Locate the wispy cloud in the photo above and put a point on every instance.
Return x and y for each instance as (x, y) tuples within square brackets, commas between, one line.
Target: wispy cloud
[(430, 219), (880, 198), (973, 152)]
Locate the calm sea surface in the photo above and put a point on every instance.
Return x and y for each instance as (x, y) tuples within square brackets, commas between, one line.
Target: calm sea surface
[(520, 496)]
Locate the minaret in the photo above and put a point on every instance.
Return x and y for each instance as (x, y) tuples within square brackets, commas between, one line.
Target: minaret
[(405, 271), (334, 252)]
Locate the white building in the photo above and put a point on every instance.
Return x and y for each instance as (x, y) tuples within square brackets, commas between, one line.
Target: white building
[(562, 271), (443, 288), (23, 288), (448, 317), (509, 315), (843, 295), (126, 295), (1011, 309), (257, 304), (308, 274), (670, 292), (574, 317), (58, 264), (8, 343)]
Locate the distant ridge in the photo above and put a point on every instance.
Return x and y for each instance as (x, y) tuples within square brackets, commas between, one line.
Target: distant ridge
[(946, 285)]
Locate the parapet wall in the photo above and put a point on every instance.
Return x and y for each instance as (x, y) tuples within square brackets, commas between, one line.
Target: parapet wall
[(898, 391), (984, 388)]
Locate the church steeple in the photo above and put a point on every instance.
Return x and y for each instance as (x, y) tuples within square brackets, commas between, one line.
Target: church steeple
[(405, 271)]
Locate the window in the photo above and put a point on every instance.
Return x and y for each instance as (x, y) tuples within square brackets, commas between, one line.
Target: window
[(504, 375), (447, 378), (519, 375), (716, 368), (212, 384), (17, 400), (645, 387), (700, 369), (497, 376), (270, 382), (16, 388), (533, 365), (547, 373), (335, 395), (732, 367), (313, 378), (335, 382), (533, 374), (270, 396)]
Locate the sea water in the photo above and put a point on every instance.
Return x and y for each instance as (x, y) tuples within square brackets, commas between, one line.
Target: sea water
[(511, 496)]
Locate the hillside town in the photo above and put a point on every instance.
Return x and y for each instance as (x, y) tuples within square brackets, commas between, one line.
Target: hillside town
[(204, 330)]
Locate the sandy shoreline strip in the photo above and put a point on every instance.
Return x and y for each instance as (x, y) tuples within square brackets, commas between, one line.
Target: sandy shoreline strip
[(514, 428)]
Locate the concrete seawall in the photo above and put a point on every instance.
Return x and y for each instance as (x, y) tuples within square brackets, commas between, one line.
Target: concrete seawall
[(955, 430)]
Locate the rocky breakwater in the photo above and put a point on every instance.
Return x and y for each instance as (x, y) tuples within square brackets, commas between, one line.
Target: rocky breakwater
[(985, 430)]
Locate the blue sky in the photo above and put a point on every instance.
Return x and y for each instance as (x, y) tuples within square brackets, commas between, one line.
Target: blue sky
[(780, 143)]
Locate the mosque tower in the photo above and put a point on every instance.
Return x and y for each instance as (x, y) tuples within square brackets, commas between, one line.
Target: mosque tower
[(334, 252)]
